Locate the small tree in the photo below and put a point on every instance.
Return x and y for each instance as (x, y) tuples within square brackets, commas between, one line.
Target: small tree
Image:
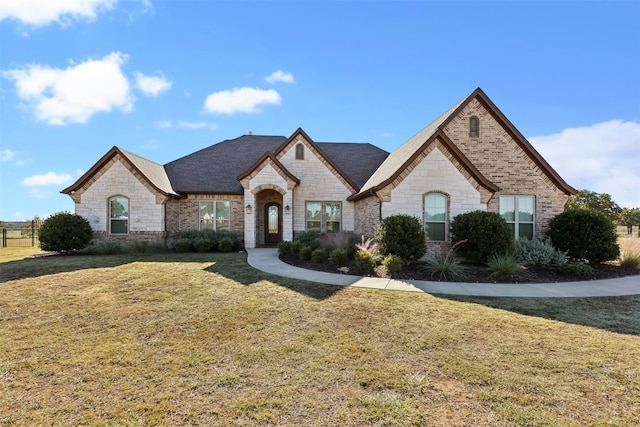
[(601, 202), (65, 232), (487, 234), (401, 235), (585, 234)]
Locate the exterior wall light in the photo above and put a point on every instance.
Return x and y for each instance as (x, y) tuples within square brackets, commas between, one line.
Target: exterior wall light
[(248, 209)]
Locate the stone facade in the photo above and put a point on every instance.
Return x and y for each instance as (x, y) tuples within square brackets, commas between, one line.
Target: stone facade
[(146, 206)]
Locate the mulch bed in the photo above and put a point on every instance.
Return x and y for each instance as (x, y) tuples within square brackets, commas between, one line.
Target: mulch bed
[(475, 273)]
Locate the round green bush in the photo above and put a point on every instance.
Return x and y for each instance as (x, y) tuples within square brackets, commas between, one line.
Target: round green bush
[(284, 248), (586, 235), (183, 244), (305, 253), (319, 256), (365, 261), (487, 233), (226, 244), (401, 235), (577, 269), (339, 257), (202, 244), (65, 232), (392, 263)]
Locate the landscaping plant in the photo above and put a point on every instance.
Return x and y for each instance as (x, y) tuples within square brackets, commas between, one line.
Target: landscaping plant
[(586, 235), (65, 232), (487, 233), (401, 235)]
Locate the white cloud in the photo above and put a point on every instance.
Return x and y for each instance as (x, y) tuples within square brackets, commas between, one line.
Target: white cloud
[(49, 178), (280, 76), (240, 100), (37, 193), (44, 12), (152, 85), (191, 125), (7, 155), (73, 95), (604, 158)]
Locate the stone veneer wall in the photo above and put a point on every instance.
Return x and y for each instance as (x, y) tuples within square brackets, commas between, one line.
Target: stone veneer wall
[(367, 216), (117, 178), (498, 157), (319, 182)]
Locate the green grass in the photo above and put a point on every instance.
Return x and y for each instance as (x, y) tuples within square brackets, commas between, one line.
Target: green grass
[(203, 339)]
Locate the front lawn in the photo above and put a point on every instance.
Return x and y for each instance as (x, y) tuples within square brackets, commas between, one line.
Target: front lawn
[(203, 339)]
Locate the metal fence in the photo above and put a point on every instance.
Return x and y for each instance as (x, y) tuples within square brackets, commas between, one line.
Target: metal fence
[(20, 233)]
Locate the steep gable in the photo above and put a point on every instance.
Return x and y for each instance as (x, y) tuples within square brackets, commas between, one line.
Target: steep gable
[(150, 173)]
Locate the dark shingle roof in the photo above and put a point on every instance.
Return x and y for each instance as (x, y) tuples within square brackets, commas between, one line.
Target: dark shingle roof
[(215, 169)]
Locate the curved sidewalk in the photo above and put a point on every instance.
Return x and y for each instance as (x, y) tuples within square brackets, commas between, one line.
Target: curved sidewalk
[(266, 259)]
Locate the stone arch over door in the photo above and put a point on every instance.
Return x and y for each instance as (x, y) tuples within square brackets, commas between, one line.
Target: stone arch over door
[(268, 200)]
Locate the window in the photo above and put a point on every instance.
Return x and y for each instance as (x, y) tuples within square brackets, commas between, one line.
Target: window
[(119, 215), (324, 216), (299, 152), (435, 216), (474, 127), (518, 211), (215, 215)]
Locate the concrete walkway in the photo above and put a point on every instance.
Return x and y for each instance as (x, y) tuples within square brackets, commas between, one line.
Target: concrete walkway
[(266, 259)]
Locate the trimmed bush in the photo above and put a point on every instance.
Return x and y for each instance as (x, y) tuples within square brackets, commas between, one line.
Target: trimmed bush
[(487, 233), (296, 246), (401, 235), (202, 244), (586, 235), (226, 244), (305, 253), (309, 238), (319, 256), (65, 232), (183, 244), (365, 260), (338, 257), (284, 248), (577, 269), (392, 263)]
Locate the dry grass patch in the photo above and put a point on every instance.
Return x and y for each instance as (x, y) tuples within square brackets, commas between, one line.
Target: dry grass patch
[(203, 339)]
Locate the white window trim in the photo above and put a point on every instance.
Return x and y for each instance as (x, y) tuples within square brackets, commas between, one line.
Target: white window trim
[(214, 223), (323, 221), (516, 221), (446, 214)]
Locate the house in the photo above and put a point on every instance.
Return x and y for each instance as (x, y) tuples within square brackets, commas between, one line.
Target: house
[(267, 188)]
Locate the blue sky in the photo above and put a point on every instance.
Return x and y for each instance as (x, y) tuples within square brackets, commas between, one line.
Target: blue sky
[(165, 78)]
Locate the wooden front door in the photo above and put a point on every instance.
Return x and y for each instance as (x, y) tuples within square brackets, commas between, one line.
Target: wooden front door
[(273, 224)]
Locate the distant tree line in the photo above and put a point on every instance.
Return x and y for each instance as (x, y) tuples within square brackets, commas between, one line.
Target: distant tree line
[(603, 202)]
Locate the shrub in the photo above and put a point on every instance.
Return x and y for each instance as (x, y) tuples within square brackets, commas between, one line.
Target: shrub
[(296, 246), (341, 239), (401, 235), (319, 256), (392, 263), (138, 247), (107, 247), (445, 267), (577, 269), (183, 244), (365, 260), (630, 261), (309, 238), (487, 233), (305, 253), (284, 248), (226, 244), (65, 232), (504, 265), (338, 257), (202, 244), (538, 252), (586, 235)]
